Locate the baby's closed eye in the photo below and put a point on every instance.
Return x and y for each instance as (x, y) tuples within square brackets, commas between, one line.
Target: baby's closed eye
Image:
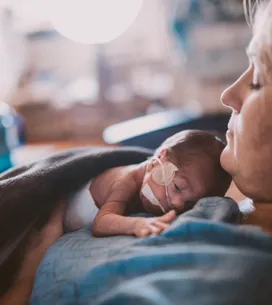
[(180, 185), (178, 189)]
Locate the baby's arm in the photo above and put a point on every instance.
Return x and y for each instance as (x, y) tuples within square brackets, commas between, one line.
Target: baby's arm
[(110, 219)]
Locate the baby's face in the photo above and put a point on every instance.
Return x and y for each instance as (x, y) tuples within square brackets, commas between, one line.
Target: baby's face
[(189, 183)]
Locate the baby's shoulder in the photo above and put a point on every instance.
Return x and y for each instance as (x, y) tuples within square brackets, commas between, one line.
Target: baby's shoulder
[(122, 184), (123, 176)]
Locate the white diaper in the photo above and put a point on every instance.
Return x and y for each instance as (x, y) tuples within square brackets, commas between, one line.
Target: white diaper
[(81, 210)]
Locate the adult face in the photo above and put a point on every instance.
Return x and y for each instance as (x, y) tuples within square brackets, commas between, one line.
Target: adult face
[(248, 154)]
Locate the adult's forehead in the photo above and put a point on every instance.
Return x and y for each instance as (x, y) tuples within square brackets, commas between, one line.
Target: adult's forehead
[(260, 55), (261, 42), (251, 48), (257, 47)]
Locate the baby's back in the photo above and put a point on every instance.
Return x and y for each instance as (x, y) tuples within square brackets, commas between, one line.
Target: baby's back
[(84, 205)]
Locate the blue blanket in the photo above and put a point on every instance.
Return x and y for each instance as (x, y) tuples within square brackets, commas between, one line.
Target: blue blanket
[(199, 260)]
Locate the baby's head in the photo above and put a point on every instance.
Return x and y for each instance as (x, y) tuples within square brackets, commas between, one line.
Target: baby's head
[(186, 167)]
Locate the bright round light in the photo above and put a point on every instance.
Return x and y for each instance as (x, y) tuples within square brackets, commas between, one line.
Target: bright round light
[(93, 21)]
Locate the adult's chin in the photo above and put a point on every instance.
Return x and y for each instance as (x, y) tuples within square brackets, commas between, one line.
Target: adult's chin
[(231, 166), (227, 160)]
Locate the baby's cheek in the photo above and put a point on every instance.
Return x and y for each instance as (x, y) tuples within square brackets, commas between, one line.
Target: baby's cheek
[(161, 194), (158, 190), (177, 201)]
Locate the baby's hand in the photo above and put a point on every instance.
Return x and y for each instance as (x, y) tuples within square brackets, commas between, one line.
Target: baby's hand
[(148, 226)]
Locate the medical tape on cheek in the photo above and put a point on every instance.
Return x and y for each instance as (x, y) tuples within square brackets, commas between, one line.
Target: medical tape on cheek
[(148, 193), (164, 175)]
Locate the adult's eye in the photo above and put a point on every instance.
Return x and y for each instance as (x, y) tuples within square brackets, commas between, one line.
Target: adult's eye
[(255, 86)]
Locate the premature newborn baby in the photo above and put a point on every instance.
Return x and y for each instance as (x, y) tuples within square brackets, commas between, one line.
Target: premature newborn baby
[(185, 168)]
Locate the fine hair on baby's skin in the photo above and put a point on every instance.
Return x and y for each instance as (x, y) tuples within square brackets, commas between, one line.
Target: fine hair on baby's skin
[(192, 145)]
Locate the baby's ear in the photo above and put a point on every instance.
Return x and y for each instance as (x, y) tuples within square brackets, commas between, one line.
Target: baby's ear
[(163, 154), (149, 165)]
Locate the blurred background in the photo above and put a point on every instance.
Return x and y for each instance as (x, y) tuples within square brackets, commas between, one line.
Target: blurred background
[(176, 57)]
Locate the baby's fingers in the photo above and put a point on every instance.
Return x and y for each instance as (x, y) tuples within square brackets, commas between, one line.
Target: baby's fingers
[(143, 232), (150, 229), (168, 217), (160, 225), (154, 228)]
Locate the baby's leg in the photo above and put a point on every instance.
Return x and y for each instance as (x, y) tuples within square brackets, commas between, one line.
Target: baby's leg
[(81, 210)]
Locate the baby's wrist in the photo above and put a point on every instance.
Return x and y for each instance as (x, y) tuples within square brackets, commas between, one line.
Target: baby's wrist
[(137, 224)]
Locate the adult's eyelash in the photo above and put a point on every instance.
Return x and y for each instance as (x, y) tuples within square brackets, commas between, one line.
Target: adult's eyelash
[(256, 86)]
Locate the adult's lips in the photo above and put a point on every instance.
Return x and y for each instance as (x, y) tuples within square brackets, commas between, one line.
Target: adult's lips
[(229, 134), (231, 124)]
